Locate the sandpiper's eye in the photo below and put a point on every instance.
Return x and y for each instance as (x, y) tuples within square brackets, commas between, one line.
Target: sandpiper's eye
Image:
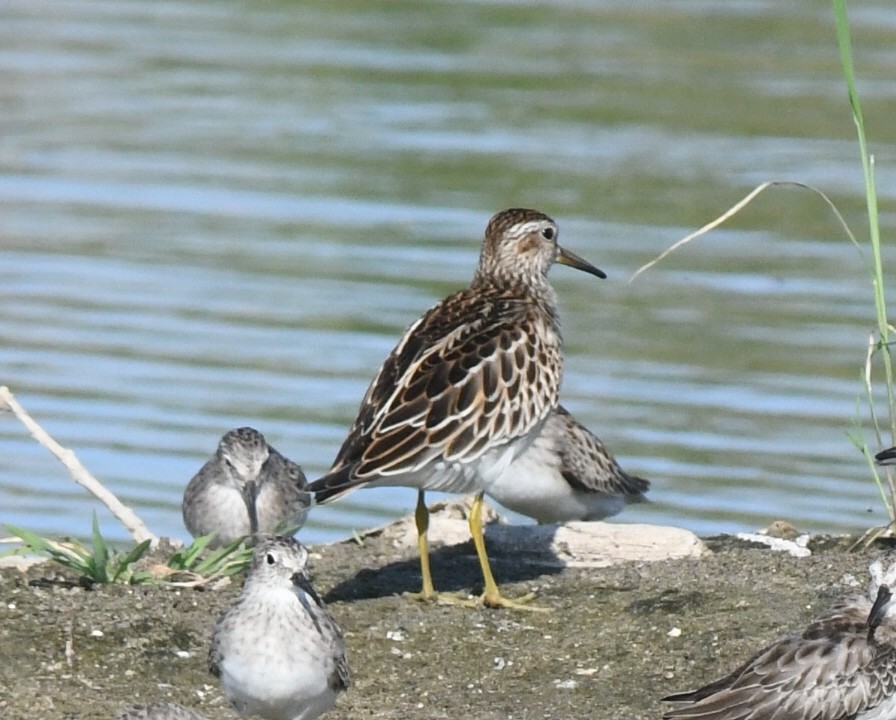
[(271, 559), (548, 232)]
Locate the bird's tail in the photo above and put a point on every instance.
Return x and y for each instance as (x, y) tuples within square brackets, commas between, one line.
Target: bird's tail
[(334, 485)]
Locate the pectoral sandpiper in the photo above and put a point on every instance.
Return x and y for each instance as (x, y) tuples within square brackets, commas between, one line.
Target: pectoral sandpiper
[(469, 387)]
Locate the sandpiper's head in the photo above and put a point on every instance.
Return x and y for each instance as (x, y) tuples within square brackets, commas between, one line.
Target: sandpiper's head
[(521, 244), (244, 451), (882, 595), (882, 574), (278, 559)]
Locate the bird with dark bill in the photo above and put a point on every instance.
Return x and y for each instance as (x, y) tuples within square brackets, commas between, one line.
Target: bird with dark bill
[(886, 457), (841, 667), (247, 488), (278, 650), (468, 388)]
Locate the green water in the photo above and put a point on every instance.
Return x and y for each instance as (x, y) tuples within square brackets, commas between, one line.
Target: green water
[(219, 213)]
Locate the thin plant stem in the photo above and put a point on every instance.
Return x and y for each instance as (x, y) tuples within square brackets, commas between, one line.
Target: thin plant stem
[(79, 473), (882, 345)]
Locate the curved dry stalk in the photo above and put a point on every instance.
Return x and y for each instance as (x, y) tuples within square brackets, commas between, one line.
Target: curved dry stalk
[(736, 208), (133, 524)]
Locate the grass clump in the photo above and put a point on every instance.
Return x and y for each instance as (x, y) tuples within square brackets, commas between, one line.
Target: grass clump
[(189, 567), (102, 564)]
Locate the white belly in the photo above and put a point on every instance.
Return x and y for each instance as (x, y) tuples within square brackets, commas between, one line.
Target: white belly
[(275, 664), (222, 511), (276, 691), (532, 485), (459, 477)]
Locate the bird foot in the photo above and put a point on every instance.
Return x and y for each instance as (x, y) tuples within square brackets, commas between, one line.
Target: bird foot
[(442, 599), (492, 600), (496, 600)]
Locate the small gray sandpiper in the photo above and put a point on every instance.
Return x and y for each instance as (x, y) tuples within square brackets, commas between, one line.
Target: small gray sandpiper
[(246, 488), (278, 650), (567, 473)]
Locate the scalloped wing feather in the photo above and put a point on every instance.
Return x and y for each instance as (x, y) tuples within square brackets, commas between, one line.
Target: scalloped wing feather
[(586, 463), (830, 672), (476, 371)]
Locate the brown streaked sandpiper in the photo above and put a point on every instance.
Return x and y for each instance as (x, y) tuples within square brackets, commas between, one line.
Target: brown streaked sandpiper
[(469, 386), (841, 667)]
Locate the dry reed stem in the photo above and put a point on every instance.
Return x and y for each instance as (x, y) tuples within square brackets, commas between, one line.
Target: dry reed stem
[(133, 524), (736, 208)]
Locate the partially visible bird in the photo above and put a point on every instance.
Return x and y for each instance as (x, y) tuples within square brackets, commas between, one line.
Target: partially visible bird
[(567, 474), (278, 650), (158, 711), (886, 457), (841, 667), (469, 386), (246, 488)]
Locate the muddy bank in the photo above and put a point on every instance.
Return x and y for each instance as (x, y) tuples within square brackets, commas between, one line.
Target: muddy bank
[(617, 639)]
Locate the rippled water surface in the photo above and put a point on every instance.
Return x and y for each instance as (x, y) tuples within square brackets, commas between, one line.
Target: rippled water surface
[(217, 213)]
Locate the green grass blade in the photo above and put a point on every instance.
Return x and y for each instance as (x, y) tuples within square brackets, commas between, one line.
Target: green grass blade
[(879, 347), (221, 557), (75, 558), (844, 41), (124, 564), (32, 541), (100, 558), (142, 578), (137, 553), (185, 559)]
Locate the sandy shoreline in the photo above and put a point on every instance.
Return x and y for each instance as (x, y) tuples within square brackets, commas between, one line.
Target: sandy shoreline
[(618, 637)]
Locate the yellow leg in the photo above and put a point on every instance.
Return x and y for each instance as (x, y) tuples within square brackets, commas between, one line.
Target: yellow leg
[(428, 593), (421, 517), (492, 596)]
